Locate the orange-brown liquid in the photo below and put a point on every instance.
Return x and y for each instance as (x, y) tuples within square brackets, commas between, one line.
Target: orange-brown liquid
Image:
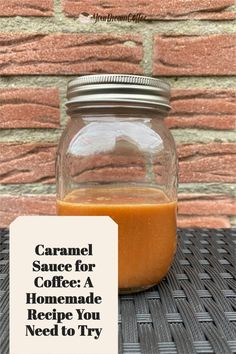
[(147, 229)]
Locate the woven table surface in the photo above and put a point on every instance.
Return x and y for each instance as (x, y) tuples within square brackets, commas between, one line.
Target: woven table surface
[(193, 310)]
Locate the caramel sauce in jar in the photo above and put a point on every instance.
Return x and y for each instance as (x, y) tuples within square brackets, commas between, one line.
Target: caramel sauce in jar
[(147, 229)]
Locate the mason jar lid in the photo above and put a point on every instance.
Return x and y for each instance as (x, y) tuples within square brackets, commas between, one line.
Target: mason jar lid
[(115, 88)]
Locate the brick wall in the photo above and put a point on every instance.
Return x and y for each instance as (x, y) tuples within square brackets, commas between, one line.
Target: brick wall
[(191, 44)]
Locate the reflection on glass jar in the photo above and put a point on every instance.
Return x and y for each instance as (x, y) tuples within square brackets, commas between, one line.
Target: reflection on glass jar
[(116, 157)]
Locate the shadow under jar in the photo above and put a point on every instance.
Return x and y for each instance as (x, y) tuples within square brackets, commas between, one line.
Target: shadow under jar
[(116, 157)]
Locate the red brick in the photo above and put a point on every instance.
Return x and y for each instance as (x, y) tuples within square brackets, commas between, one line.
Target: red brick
[(194, 108), (204, 221), (153, 9), (203, 108), (34, 162), (13, 206), (69, 54), (109, 167), (203, 204), (213, 162), (26, 163), (26, 8), (226, 122), (195, 55), (29, 108)]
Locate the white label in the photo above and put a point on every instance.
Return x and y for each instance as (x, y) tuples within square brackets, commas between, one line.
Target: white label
[(63, 285)]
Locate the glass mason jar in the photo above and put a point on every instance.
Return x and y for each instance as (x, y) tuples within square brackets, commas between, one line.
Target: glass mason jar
[(116, 157)]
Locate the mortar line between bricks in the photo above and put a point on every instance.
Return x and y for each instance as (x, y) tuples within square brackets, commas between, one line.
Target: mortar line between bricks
[(185, 82), (219, 188), (232, 8), (232, 220), (62, 24), (58, 12), (181, 136), (147, 62), (208, 188)]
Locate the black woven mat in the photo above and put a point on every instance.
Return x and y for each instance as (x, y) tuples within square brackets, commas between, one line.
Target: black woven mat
[(192, 311)]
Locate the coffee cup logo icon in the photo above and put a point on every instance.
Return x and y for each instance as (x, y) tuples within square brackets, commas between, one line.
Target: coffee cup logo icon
[(84, 17)]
